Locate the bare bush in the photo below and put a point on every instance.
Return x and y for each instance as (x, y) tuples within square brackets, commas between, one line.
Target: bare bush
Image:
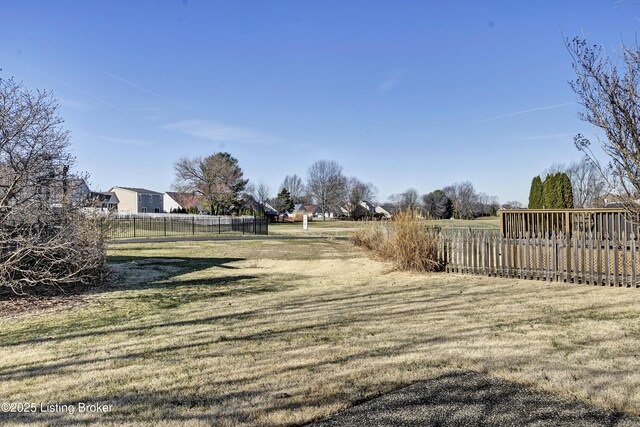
[(68, 254), (45, 239), (406, 241)]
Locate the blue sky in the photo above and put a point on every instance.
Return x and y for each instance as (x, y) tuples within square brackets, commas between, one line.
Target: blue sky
[(401, 93)]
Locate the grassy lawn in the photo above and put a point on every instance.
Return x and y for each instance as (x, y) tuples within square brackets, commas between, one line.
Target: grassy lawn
[(343, 228), (281, 332)]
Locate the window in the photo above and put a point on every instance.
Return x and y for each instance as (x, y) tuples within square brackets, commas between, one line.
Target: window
[(139, 198), (157, 210), (144, 210), (151, 198)]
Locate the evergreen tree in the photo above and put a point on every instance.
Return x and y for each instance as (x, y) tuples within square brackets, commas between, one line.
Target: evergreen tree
[(535, 194), (549, 199), (565, 190), (283, 202)]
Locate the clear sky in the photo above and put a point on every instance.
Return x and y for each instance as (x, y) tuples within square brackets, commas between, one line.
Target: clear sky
[(401, 93)]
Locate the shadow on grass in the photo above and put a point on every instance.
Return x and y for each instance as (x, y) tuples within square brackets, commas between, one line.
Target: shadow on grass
[(164, 269)]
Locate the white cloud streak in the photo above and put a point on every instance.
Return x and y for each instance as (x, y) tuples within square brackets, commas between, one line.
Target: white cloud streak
[(531, 110), (215, 131), (150, 92)]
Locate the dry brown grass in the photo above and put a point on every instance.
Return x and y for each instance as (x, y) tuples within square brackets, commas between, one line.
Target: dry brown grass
[(283, 332), (405, 241)]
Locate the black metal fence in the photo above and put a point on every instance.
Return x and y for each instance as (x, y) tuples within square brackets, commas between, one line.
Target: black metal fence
[(174, 226)]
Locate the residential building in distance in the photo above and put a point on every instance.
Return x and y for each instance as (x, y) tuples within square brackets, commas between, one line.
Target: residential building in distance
[(134, 200), (103, 200)]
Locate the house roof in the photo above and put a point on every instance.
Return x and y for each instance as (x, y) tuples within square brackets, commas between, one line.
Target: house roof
[(137, 190), (186, 200), (299, 207), (104, 196), (311, 208)]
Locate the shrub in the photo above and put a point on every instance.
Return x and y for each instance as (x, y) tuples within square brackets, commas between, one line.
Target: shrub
[(60, 256), (406, 241)]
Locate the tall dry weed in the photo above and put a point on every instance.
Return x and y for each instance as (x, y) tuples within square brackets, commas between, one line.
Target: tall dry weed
[(406, 241)]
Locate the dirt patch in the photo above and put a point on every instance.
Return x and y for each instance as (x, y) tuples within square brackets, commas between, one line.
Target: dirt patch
[(138, 272)]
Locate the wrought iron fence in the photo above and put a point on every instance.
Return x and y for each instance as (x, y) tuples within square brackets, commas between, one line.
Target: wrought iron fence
[(168, 226)]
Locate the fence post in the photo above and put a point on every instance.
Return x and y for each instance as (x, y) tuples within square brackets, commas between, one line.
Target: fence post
[(607, 261), (134, 226), (616, 262), (242, 225), (193, 225), (633, 259), (624, 259), (165, 226), (554, 260), (219, 226)]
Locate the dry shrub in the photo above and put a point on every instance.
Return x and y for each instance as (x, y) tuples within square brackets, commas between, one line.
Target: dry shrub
[(406, 241), (68, 254)]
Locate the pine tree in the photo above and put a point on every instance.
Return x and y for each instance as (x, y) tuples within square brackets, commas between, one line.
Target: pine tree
[(535, 194), (283, 202), (565, 190), (549, 193)]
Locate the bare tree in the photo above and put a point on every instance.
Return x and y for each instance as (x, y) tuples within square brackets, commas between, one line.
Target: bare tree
[(358, 192), (44, 237), (296, 188), (512, 204), (407, 200), (261, 194), (609, 97), (326, 184), (464, 198), (218, 178), (589, 186)]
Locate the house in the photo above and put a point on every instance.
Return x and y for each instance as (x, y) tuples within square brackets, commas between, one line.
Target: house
[(171, 202), (381, 213), (103, 200), (133, 200), (180, 202), (298, 212), (313, 210)]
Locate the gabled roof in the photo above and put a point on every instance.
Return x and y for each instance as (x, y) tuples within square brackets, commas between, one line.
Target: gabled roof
[(312, 208), (104, 196), (299, 207), (137, 190), (186, 200)]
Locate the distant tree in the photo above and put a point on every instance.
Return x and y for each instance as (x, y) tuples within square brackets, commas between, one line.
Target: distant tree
[(261, 194), (218, 178), (296, 188), (407, 200), (437, 205), (326, 184), (589, 185), (358, 192), (608, 94), (485, 205), (535, 194), (464, 198), (512, 204), (283, 202)]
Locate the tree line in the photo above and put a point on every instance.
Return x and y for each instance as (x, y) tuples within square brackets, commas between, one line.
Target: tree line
[(577, 185), (219, 179)]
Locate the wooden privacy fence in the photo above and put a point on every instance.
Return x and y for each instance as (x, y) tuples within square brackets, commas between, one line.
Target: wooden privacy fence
[(560, 257)]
